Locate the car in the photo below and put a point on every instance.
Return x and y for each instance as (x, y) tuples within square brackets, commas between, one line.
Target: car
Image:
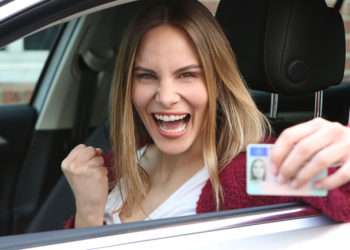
[(51, 47)]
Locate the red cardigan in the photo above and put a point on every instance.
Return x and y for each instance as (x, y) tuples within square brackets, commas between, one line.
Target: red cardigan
[(335, 205)]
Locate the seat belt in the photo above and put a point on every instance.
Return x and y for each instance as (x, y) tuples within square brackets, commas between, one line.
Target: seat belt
[(91, 64)]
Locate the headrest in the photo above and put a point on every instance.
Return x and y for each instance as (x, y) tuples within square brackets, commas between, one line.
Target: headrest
[(288, 47)]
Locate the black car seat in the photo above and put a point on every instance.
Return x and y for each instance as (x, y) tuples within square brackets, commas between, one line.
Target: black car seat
[(60, 203), (288, 56)]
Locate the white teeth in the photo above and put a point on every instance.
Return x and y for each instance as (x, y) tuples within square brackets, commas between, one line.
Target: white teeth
[(176, 130), (169, 118)]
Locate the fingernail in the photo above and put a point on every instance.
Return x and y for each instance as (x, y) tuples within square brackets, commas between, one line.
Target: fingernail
[(281, 179)]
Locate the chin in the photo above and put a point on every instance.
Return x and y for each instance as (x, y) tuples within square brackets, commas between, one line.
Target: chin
[(173, 148)]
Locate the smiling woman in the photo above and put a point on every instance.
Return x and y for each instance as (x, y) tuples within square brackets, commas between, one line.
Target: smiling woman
[(170, 95), (168, 102), (181, 118)]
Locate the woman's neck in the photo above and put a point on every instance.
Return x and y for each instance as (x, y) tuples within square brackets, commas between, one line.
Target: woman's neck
[(164, 167)]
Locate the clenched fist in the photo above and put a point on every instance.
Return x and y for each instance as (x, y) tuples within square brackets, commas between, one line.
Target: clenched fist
[(87, 176)]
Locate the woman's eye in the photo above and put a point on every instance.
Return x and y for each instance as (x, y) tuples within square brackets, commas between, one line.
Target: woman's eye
[(188, 75)]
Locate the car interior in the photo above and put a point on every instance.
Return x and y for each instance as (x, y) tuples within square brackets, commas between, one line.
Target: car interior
[(292, 62)]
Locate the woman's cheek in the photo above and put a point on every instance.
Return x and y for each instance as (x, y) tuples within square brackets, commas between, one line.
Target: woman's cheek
[(141, 96), (199, 97)]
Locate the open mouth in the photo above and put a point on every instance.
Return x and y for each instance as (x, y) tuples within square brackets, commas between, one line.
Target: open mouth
[(172, 124)]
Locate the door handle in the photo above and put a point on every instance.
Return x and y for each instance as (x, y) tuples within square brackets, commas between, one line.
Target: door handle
[(3, 141)]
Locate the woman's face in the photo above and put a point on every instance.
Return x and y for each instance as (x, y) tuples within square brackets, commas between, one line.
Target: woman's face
[(169, 92), (259, 170)]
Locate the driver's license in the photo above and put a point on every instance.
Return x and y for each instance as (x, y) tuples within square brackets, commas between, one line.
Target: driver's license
[(261, 180)]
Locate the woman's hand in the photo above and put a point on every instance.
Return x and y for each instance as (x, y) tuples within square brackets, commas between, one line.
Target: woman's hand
[(87, 176), (302, 151)]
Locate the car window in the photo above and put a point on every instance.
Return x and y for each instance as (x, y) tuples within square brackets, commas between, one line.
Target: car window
[(212, 5), (345, 12), (21, 63)]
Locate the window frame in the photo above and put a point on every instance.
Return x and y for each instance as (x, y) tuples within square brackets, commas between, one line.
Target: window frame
[(131, 233), (54, 46)]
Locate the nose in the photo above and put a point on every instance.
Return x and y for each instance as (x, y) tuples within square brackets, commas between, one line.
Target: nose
[(167, 94)]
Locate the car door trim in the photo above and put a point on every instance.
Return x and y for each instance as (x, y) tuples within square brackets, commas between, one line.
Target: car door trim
[(13, 7), (134, 232), (50, 13)]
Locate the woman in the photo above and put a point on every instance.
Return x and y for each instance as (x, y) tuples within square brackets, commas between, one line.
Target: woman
[(258, 172), (180, 119)]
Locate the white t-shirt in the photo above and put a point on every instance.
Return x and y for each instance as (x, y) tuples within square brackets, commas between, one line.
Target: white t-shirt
[(182, 202)]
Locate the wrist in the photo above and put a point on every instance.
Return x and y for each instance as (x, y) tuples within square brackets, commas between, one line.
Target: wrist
[(88, 220), (89, 208)]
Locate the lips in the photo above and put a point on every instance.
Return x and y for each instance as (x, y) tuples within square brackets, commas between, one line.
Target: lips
[(171, 124)]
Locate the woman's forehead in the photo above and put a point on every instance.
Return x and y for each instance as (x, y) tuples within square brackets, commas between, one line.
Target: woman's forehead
[(166, 43)]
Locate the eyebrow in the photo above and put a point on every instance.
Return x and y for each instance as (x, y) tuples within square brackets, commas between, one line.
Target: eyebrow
[(189, 67), (140, 68)]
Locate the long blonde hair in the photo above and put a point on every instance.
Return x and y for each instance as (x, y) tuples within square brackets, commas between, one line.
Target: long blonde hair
[(233, 120)]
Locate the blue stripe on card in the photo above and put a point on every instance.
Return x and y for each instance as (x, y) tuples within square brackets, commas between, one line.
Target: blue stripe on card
[(258, 151)]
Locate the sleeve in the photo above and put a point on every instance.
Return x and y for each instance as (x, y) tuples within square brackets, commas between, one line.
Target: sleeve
[(336, 204), (70, 223)]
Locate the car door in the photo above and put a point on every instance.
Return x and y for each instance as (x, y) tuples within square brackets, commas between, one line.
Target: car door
[(27, 147), (37, 132), (21, 64), (269, 227)]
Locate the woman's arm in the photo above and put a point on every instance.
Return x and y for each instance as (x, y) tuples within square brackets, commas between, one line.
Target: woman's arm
[(88, 177)]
